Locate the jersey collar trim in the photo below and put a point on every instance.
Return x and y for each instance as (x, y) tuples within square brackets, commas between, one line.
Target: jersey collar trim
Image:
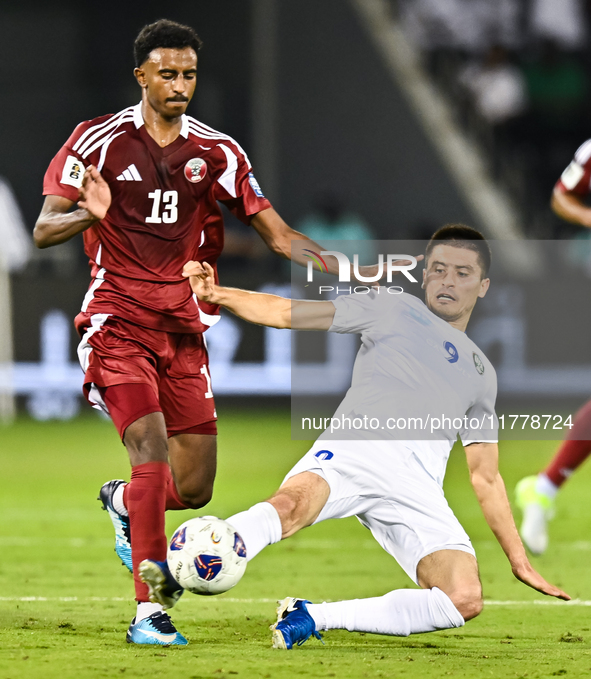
[(185, 126), (138, 119)]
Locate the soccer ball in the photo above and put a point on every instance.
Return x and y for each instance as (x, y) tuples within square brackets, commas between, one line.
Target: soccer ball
[(206, 555)]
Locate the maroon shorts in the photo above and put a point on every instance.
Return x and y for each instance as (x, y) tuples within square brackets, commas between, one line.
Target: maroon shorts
[(131, 371)]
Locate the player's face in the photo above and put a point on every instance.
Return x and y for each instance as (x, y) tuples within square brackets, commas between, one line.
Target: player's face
[(453, 282), (168, 77)]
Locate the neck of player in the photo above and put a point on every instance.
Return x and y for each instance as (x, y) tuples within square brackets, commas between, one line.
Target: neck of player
[(460, 324), (164, 131)]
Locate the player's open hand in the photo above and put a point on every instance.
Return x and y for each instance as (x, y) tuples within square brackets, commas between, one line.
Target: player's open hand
[(202, 279), (94, 195), (533, 579)]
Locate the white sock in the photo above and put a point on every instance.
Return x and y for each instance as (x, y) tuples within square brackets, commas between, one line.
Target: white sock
[(145, 610), (118, 505), (546, 487), (258, 526), (399, 613)]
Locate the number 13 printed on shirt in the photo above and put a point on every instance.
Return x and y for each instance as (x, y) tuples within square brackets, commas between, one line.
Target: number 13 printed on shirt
[(170, 212)]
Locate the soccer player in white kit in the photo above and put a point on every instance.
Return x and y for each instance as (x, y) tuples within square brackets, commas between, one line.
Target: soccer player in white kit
[(415, 363)]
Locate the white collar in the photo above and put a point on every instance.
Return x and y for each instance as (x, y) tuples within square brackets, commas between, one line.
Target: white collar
[(138, 119), (184, 126)]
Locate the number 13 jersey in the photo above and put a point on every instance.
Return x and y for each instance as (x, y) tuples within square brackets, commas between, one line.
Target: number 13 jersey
[(164, 212)]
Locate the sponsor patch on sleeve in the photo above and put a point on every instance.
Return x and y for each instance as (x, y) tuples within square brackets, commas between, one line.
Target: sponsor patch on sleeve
[(255, 185), (572, 175), (73, 172)]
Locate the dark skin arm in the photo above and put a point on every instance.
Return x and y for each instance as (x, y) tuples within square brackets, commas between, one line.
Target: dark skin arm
[(570, 207), (57, 223), (278, 237)]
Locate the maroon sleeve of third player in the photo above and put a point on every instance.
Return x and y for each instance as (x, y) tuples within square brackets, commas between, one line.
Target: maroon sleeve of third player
[(576, 178)]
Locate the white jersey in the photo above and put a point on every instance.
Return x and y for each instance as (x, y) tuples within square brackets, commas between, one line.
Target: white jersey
[(416, 379)]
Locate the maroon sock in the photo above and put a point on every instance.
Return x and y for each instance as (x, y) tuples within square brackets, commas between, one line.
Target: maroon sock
[(569, 456), (574, 451), (173, 499), (145, 498)]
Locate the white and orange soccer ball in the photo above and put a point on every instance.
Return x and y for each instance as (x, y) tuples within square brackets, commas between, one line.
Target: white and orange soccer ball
[(206, 555)]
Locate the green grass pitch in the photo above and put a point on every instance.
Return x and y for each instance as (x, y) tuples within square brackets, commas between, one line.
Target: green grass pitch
[(65, 602)]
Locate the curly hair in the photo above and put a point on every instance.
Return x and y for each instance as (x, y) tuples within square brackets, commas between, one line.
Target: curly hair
[(164, 33), (462, 236)]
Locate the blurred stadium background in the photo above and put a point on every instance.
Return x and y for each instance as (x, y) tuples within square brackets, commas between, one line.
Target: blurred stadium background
[(366, 119)]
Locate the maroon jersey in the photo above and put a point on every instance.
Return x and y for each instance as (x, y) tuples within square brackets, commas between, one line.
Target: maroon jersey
[(164, 212), (577, 176)]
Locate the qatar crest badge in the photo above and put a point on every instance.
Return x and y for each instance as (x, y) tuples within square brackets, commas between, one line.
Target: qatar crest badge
[(195, 170)]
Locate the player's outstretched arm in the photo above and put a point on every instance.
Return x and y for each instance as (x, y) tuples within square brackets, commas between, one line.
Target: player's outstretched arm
[(287, 242), (57, 223), (492, 497), (570, 207), (258, 307), (278, 236), (290, 244)]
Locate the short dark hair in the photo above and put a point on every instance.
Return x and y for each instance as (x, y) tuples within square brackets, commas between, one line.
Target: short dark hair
[(164, 33), (462, 236)]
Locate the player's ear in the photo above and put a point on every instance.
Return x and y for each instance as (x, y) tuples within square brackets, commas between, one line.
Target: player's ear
[(484, 285), (140, 76), (424, 278)]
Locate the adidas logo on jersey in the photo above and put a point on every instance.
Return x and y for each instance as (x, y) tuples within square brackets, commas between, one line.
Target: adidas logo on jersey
[(131, 174)]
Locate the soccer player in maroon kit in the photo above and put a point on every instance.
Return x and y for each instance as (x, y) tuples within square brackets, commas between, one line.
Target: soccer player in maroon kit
[(143, 187), (535, 494)]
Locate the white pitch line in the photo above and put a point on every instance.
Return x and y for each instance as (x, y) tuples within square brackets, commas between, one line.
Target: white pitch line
[(538, 602), (233, 600), (61, 598), (118, 598)]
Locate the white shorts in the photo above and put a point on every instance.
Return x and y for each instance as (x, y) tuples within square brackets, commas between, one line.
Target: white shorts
[(385, 486)]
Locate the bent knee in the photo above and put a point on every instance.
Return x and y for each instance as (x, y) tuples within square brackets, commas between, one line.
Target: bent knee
[(195, 497), (299, 501), (288, 508), (291, 509), (468, 601)]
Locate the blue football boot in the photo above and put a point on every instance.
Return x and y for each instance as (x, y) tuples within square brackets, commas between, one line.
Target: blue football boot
[(157, 629), (120, 523), (164, 589), (294, 624)]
